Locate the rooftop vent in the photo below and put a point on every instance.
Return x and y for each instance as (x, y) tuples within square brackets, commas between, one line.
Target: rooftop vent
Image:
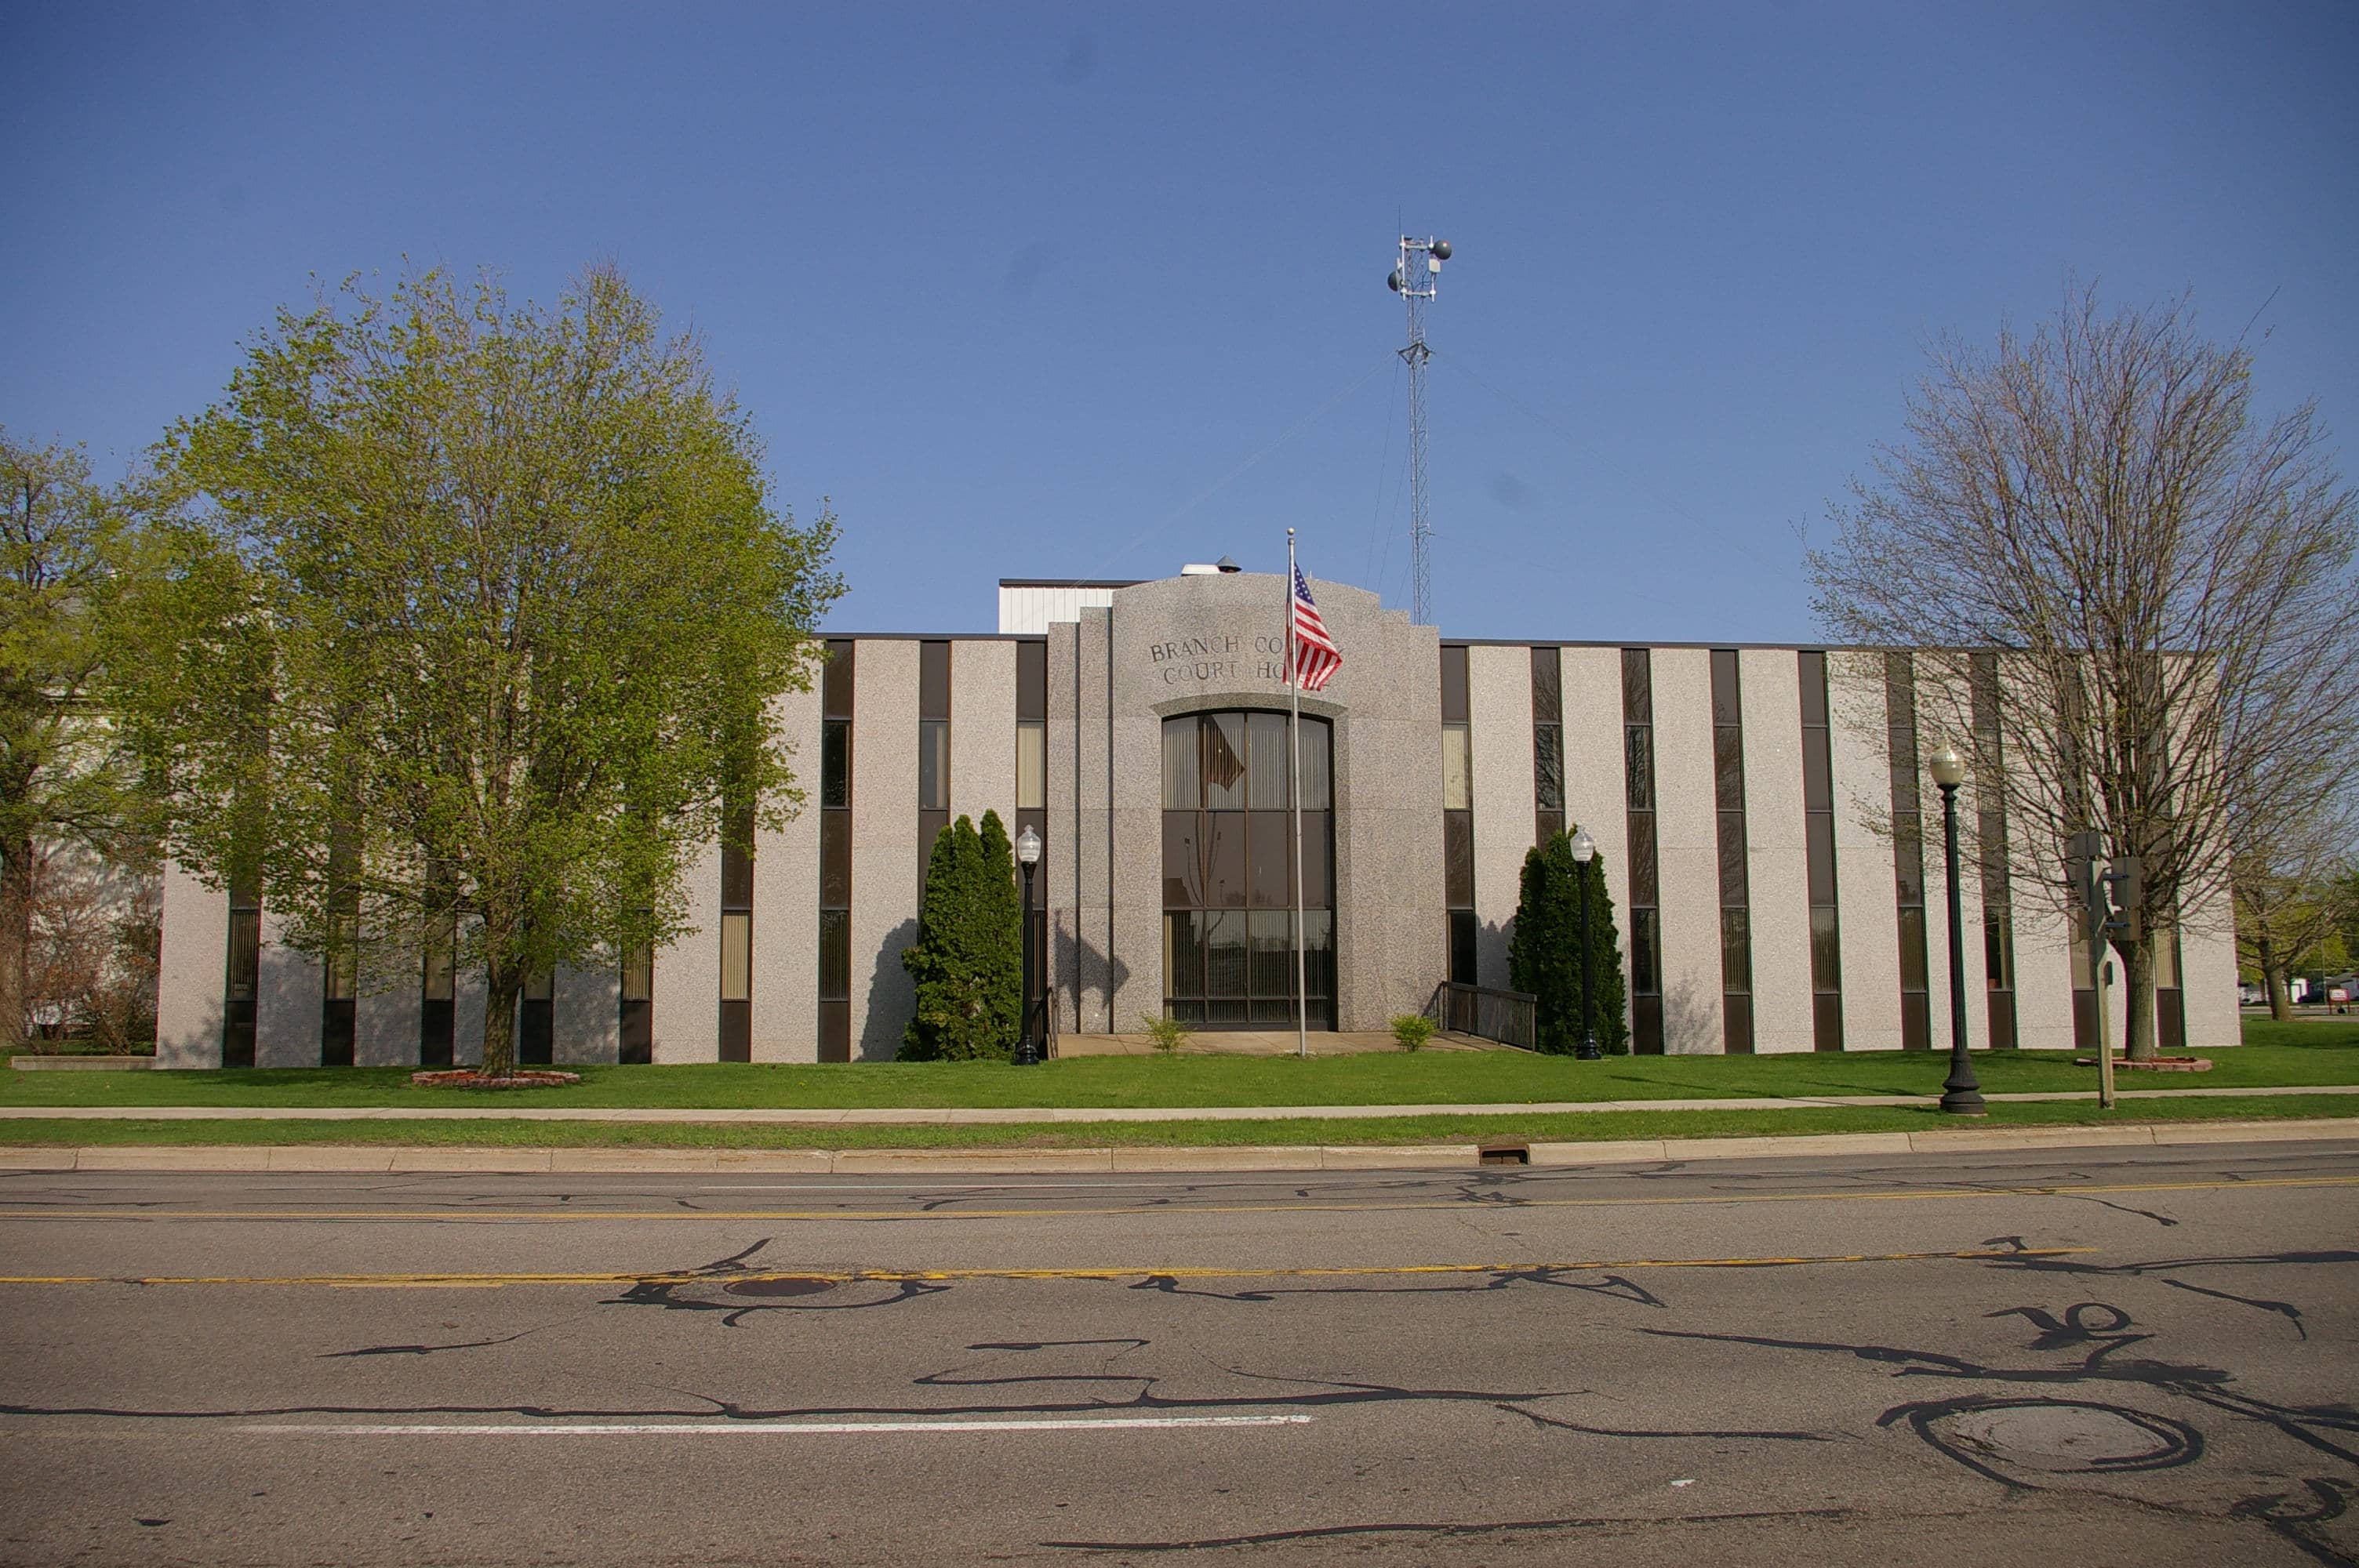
[(1197, 569), (1227, 565)]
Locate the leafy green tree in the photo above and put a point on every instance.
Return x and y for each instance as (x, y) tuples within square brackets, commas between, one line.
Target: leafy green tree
[(1544, 953), (472, 608), (958, 958), (64, 553)]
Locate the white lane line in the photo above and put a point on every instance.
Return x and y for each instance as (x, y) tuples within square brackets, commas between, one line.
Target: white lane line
[(777, 1429)]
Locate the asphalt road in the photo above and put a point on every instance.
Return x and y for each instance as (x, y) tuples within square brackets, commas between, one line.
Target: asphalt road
[(2107, 1358)]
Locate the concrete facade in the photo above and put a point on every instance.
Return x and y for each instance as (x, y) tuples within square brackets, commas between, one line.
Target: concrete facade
[(1181, 646)]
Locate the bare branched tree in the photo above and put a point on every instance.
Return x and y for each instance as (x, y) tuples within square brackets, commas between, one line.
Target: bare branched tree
[(2165, 574)]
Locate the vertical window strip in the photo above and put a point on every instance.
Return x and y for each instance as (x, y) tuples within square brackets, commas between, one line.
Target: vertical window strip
[(242, 966), (339, 967), (736, 1031), (933, 750), (536, 1044), (836, 853), (1818, 840), (1458, 814), (1908, 851), (1991, 848), (438, 990), (1548, 743), (1032, 786), (1646, 915), (634, 991), (1735, 897)]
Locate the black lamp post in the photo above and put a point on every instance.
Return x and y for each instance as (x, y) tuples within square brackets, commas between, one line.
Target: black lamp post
[(1960, 1095), (1584, 850), (1027, 855)]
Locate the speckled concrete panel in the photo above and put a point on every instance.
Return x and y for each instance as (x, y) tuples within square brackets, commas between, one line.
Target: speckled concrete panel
[(386, 1014), (585, 1014), (684, 1010), (1866, 908), (1778, 886), (883, 842), (786, 901), (1137, 825), (1499, 711), (286, 1004), (1188, 644), (191, 971), (1060, 874), (2043, 944), (2043, 974), (1687, 855), (2207, 958), (1597, 795), (1097, 972), (983, 731)]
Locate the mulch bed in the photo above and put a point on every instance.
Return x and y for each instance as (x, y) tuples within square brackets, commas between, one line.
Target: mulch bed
[(2160, 1065), (469, 1079)]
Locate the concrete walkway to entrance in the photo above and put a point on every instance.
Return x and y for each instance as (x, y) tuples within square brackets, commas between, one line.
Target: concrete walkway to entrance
[(1262, 1042)]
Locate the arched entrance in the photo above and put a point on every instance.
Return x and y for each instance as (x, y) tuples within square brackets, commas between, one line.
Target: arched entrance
[(1228, 871)]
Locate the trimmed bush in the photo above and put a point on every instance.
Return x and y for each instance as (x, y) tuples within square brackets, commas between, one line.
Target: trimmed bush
[(967, 961), (1544, 953), (1412, 1029)]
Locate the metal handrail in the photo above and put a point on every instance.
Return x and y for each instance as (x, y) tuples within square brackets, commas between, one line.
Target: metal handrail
[(1511, 1018)]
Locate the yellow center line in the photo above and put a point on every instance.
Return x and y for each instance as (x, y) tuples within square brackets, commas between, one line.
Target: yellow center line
[(936, 1276), (1061, 1212)]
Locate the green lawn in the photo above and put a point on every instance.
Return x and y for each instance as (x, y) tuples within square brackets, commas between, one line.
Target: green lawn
[(1570, 1127), (2302, 1052)]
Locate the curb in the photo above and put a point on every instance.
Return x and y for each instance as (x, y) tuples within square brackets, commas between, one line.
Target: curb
[(398, 1160)]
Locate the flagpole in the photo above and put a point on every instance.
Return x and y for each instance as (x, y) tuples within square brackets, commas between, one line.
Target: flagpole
[(1294, 775)]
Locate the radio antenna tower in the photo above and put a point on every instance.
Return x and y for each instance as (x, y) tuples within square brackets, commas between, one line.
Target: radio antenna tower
[(1417, 278)]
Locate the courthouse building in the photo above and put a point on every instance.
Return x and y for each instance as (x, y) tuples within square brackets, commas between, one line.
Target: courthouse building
[(1741, 798)]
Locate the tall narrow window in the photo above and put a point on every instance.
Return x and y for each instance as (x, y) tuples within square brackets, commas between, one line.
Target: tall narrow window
[(1818, 840), (1646, 913), (537, 1020), (1908, 851), (1458, 814), (635, 991), (737, 935), (1229, 871), (242, 980), (933, 750), (1736, 901), (438, 990), (1032, 738), (340, 963), (2169, 993), (835, 854), (1548, 743), (1990, 841), (1032, 784)]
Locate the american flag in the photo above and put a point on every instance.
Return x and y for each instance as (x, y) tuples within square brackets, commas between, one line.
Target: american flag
[(1316, 657)]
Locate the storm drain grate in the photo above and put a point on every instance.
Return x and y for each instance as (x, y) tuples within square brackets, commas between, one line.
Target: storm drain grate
[(1507, 1151)]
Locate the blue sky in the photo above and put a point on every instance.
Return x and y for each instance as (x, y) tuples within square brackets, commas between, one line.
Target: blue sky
[(1092, 291)]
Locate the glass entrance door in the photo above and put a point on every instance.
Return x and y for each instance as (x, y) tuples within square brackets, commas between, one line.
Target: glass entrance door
[(1228, 871)]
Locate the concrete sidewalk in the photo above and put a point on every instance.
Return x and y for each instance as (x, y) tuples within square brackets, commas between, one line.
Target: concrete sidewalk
[(395, 1159), (975, 1115)]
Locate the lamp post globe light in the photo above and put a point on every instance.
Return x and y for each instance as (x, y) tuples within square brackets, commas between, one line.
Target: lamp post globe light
[(1584, 850), (1961, 1094), (1027, 855)]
